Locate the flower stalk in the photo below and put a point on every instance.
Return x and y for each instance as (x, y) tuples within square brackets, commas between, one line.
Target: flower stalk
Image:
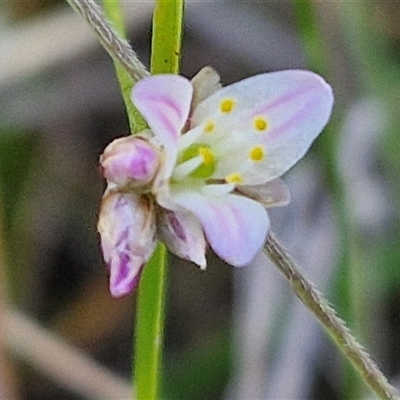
[(118, 48), (326, 315)]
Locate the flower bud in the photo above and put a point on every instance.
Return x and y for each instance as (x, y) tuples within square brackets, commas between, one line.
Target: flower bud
[(130, 160), (127, 230)]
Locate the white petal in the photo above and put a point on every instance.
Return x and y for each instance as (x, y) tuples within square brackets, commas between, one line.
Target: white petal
[(295, 106), (235, 227), (182, 234)]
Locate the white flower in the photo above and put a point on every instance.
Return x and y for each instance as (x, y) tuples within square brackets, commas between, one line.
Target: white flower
[(221, 153)]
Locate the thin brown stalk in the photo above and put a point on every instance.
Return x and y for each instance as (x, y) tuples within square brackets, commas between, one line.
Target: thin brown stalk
[(326, 315), (118, 48)]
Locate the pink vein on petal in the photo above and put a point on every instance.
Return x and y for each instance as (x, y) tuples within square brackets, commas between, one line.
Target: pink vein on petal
[(235, 227), (233, 240), (168, 124), (295, 119), (164, 101), (159, 98), (285, 98)]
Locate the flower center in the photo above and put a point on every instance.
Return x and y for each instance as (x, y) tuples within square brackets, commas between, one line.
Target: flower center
[(206, 160)]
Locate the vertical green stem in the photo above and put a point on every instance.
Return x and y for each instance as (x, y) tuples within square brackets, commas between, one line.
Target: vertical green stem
[(167, 37), (165, 58), (149, 327)]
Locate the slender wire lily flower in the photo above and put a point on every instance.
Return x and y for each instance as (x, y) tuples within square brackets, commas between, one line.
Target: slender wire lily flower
[(208, 167)]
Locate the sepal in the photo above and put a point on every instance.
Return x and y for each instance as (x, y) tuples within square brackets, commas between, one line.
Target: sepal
[(271, 194)]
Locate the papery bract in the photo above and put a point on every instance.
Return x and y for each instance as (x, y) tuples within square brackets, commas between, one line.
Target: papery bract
[(271, 194)]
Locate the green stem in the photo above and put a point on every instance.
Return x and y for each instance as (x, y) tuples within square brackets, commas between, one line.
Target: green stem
[(165, 58), (167, 37), (328, 318), (149, 327)]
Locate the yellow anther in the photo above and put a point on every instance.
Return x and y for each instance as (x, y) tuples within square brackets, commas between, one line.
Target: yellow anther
[(209, 127), (208, 159), (227, 105), (260, 123), (234, 178), (257, 153), (207, 155)]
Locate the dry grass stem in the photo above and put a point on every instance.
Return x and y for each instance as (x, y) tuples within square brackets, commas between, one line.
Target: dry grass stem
[(328, 318)]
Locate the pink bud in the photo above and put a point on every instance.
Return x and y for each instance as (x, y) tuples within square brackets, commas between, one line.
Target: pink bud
[(130, 160), (127, 229)]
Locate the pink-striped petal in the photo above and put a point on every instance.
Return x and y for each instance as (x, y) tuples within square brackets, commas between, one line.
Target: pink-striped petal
[(235, 227), (164, 101), (272, 121)]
